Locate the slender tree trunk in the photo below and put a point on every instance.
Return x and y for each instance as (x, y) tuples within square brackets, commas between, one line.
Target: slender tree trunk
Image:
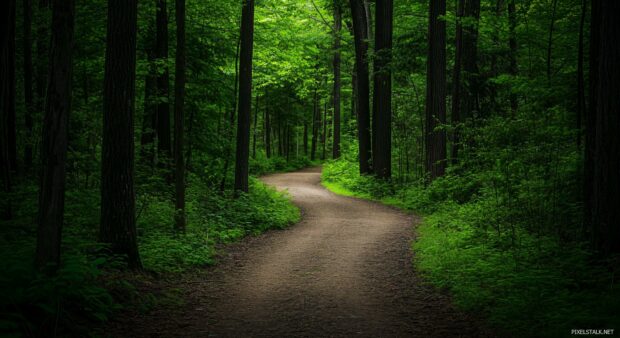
[(10, 107), (118, 219), (233, 110), (267, 131), (469, 105), (42, 39), (305, 138), (316, 123), (28, 97), (245, 97), (179, 118), (512, 41), (605, 212), (554, 5), (163, 80), (456, 81), (256, 110), (382, 151), (7, 98), (55, 137), (436, 91), (149, 120), (581, 95), (337, 79), (362, 96), (590, 118), (323, 156)]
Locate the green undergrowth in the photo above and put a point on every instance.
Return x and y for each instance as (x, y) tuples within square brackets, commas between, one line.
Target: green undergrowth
[(488, 239), (88, 288)]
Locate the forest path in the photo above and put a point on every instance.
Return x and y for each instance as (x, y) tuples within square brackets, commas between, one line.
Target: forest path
[(344, 270)]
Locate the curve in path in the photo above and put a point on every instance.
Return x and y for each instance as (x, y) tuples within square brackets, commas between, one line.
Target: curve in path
[(345, 270)]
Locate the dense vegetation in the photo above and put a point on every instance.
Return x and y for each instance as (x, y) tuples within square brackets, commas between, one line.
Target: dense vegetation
[(131, 135)]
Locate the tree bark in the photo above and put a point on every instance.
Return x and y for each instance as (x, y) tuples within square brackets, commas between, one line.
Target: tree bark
[(382, 145), (606, 213), (316, 123), (7, 98), (267, 131), (512, 42), (28, 95), (362, 96), (254, 132), (118, 220), (179, 118), (163, 80), (245, 97), (581, 95), (337, 79), (55, 137), (456, 81), (305, 140), (436, 91), (554, 6)]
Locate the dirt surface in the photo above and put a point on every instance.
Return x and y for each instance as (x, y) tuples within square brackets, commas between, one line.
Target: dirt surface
[(344, 270)]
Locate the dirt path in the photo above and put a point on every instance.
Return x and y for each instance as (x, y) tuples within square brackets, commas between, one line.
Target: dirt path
[(344, 270)]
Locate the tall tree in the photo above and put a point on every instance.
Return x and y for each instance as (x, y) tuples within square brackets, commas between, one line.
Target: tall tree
[(28, 75), (267, 131), (163, 80), (436, 91), (255, 126), (316, 123), (118, 203), (245, 97), (456, 80), (605, 212), (42, 40), (179, 117), (55, 136), (9, 107), (7, 96), (337, 79), (512, 55), (581, 92), (360, 30), (382, 131), (554, 9)]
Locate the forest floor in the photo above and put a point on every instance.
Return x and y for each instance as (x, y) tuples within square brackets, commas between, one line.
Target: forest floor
[(344, 270)]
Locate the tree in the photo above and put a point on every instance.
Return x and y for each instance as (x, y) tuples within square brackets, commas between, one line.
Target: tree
[(360, 30), (512, 42), (337, 80), (606, 183), (163, 80), (382, 131), (7, 97), (581, 92), (436, 91), (179, 117), (245, 97), (316, 124), (28, 71), (118, 220), (55, 136)]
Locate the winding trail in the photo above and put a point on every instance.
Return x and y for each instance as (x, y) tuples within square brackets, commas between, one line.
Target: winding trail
[(345, 270)]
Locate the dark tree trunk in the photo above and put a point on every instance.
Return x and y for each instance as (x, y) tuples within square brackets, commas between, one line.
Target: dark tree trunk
[(7, 98), (382, 151), (42, 39), (163, 80), (436, 91), (512, 41), (149, 121), (323, 156), (254, 132), (179, 118), (581, 95), (590, 118), (55, 137), (554, 6), (28, 97), (305, 138), (606, 187), (316, 123), (337, 79), (118, 219), (245, 97), (362, 96), (470, 89), (267, 131), (456, 81), (10, 106)]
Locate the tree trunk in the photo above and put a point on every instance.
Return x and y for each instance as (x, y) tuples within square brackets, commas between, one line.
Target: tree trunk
[(323, 156), (456, 81), (42, 39), (118, 219), (581, 95), (163, 79), (337, 80), (7, 97), (382, 151), (10, 106), (605, 213), (28, 97), (245, 97), (362, 96), (470, 89), (256, 110), (179, 118), (436, 91), (55, 137), (512, 41), (554, 6), (149, 120), (590, 118), (267, 131), (305, 138), (316, 123)]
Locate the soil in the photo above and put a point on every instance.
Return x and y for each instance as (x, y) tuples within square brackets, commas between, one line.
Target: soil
[(345, 270)]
